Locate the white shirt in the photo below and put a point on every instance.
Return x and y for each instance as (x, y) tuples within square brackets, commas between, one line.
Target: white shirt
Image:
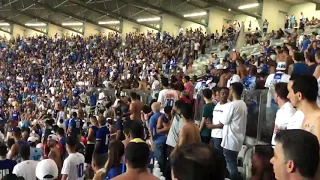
[(173, 135), (234, 119), (73, 166), (283, 117), (272, 79), (233, 79), (196, 46), (216, 117), (155, 85), (296, 120), (167, 97), (26, 169)]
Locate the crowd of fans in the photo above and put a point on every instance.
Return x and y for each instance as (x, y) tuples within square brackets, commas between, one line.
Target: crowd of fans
[(55, 123)]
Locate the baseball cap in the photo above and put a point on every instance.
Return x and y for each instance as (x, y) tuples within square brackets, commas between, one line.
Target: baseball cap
[(281, 66), (53, 137), (47, 170), (219, 67), (32, 139)]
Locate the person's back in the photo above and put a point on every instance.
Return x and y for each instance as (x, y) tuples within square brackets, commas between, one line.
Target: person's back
[(299, 68), (6, 165), (75, 164), (26, 168), (192, 133)]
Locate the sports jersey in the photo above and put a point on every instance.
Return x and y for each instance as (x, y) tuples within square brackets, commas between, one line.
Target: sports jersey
[(36, 153), (6, 167), (15, 115), (73, 166), (271, 80), (167, 97), (75, 124), (103, 136)]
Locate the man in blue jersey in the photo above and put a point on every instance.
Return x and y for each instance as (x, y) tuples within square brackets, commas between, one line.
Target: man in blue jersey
[(6, 165), (74, 127), (103, 136)]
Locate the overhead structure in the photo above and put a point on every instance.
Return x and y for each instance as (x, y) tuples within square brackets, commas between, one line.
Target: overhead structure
[(45, 20), (74, 16), (20, 24), (112, 14), (229, 6), (169, 12)]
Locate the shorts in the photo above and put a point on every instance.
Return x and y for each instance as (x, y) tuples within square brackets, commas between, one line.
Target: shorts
[(88, 153)]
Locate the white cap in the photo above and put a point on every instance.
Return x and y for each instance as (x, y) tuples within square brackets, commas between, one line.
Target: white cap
[(32, 139), (53, 137), (47, 170), (281, 66), (318, 37), (40, 145)]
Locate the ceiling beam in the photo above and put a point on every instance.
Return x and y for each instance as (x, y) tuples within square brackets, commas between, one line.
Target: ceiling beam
[(6, 31), (15, 22), (169, 12), (228, 6), (144, 9), (111, 14), (45, 20), (73, 15)]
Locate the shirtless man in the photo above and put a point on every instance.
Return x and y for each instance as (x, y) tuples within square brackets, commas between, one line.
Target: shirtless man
[(54, 153), (137, 160), (241, 69), (189, 133), (303, 93), (135, 107)]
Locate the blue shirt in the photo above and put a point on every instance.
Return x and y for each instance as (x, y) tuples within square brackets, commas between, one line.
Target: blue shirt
[(36, 153), (6, 167), (103, 136), (66, 124), (75, 124), (15, 115), (305, 44), (63, 143), (157, 138), (64, 101), (93, 100), (116, 171), (249, 82)]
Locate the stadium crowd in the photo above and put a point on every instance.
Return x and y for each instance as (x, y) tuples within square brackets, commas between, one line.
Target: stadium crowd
[(59, 122)]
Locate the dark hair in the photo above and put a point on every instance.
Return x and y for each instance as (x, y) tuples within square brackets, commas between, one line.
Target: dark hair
[(179, 104), (298, 56), (24, 152), (137, 155), (186, 111), (237, 88), (207, 93), (116, 151), (127, 126), (71, 142), (302, 147), (165, 82), (201, 161), (215, 90), (167, 109), (99, 160), (12, 177), (307, 85), (74, 114), (60, 132), (224, 88), (311, 57), (134, 95), (17, 132), (282, 90), (146, 109), (187, 78), (136, 129), (3, 150)]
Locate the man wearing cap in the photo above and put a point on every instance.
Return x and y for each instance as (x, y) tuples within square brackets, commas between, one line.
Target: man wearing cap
[(272, 79), (55, 153), (47, 170)]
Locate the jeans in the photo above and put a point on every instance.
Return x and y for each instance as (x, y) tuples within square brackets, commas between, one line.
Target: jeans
[(168, 162), (160, 154), (217, 144), (232, 166)]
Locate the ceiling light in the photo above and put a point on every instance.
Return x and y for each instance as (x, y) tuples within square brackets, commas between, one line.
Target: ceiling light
[(229, 9), (35, 24), (195, 14), (249, 6), (149, 19), (72, 24), (4, 24), (109, 22)]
